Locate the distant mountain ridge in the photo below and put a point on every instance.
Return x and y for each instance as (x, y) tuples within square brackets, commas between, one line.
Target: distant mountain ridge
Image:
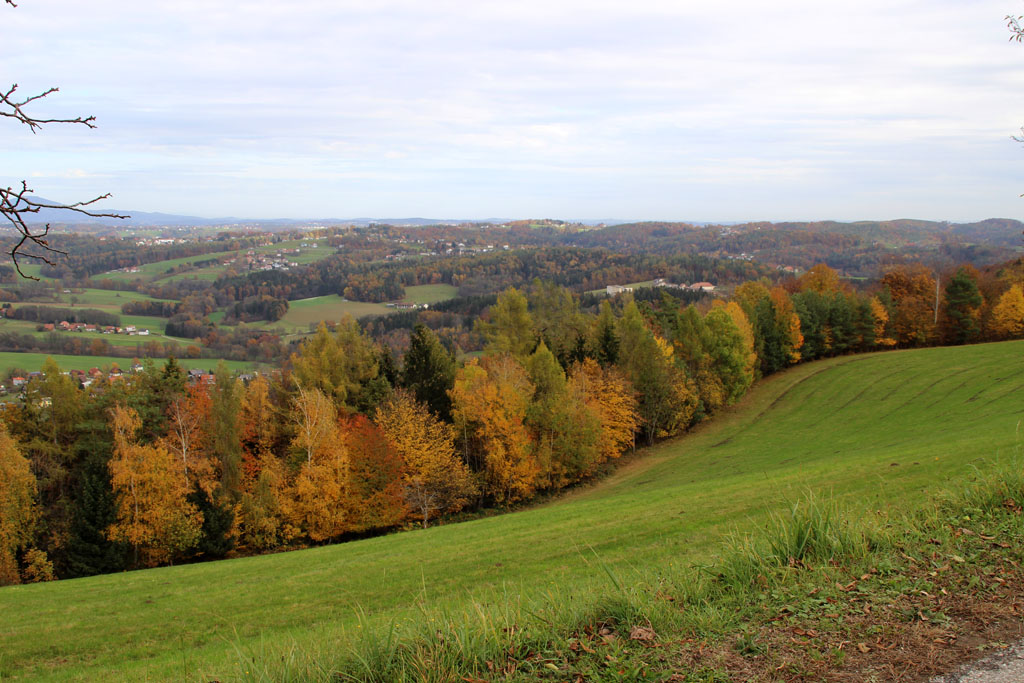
[(1006, 228)]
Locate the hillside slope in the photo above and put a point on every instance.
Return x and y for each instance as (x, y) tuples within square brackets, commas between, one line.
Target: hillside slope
[(878, 430)]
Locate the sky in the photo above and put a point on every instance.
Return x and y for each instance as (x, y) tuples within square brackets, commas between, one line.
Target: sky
[(639, 109)]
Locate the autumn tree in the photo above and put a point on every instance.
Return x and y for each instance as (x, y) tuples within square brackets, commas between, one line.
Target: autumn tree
[(153, 512), (264, 510), (489, 402), (610, 395), (820, 279), (558, 320), (259, 428), (508, 326), (911, 290), (18, 510), (1007, 320), (320, 492), (375, 477), (188, 434), (666, 400), (730, 343), (435, 480), (880, 322), (343, 366), (565, 431), (787, 323)]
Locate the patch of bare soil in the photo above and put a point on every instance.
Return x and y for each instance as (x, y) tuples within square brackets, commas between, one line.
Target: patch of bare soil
[(965, 612)]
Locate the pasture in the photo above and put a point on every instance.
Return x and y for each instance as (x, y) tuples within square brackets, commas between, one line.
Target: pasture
[(880, 431)]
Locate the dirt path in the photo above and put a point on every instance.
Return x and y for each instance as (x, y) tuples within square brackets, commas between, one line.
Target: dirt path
[(1003, 667)]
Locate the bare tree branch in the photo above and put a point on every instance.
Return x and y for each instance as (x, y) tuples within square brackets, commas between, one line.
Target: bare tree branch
[(12, 108), (16, 206), (1012, 23)]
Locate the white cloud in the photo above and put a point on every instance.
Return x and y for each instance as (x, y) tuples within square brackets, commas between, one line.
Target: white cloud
[(676, 104)]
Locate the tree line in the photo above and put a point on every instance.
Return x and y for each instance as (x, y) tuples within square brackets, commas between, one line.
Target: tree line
[(347, 440)]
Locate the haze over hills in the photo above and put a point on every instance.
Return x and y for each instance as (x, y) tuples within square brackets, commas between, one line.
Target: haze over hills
[(151, 218), (980, 229)]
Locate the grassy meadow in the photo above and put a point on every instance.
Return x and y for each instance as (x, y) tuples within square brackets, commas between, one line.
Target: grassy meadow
[(878, 432), (430, 294), (304, 313), (158, 271), (34, 361)]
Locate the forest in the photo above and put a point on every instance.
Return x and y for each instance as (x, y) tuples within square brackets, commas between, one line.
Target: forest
[(346, 440)]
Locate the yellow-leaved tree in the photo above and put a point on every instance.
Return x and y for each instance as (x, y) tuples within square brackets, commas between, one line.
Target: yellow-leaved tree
[(610, 395), (489, 402), (880, 318), (18, 510), (153, 512), (1007, 320), (788, 322), (320, 494), (435, 481)]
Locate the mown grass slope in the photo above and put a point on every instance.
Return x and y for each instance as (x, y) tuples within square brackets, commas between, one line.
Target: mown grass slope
[(878, 431)]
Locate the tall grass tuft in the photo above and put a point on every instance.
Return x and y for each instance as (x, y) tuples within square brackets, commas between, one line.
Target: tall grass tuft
[(813, 530), (1000, 486)]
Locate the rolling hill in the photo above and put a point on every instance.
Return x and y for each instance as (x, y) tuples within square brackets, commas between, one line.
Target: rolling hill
[(878, 431)]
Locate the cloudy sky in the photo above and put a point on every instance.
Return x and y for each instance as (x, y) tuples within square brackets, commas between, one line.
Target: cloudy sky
[(640, 109)]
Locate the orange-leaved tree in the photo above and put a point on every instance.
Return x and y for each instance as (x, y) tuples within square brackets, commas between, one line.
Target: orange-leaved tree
[(187, 437), (264, 506), (913, 295), (375, 477)]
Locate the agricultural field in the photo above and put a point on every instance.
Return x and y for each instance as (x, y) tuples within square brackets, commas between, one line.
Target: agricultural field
[(158, 272), (155, 271), (31, 362), (878, 432), (305, 314), (101, 299), (153, 324), (430, 294)]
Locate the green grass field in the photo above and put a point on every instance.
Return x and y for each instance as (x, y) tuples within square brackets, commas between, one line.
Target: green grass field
[(430, 294), (157, 270), (34, 361), (879, 431), (305, 312), (152, 272), (101, 299)]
